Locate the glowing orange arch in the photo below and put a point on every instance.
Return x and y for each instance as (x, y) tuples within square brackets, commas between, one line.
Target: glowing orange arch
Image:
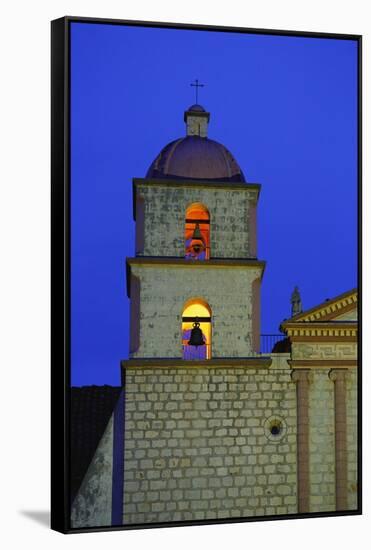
[(197, 215)]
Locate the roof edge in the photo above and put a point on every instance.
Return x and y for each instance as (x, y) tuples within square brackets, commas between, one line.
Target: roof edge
[(303, 316), (189, 182)]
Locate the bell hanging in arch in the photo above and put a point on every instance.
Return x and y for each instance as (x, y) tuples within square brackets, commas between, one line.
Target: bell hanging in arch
[(197, 338), (197, 243)]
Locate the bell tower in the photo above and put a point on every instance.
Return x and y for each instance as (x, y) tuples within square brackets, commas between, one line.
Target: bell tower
[(196, 258), (193, 401)]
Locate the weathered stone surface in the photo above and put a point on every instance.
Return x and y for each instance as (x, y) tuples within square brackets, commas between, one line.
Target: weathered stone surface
[(163, 294), (165, 207), (213, 463)]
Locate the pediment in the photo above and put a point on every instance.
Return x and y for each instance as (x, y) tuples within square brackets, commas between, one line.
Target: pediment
[(341, 308)]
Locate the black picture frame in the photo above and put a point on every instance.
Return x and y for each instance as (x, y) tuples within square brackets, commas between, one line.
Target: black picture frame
[(60, 269)]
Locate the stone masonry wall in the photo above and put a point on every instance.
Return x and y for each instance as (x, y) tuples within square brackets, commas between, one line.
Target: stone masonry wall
[(198, 444), (165, 208), (163, 293)]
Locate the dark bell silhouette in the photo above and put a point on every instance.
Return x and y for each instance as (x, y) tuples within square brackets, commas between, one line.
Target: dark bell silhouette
[(197, 243), (196, 338)]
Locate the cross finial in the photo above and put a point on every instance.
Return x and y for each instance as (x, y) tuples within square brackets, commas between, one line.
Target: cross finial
[(197, 86)]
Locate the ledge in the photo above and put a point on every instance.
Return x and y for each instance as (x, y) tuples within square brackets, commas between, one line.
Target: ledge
[(327, 310), (197, 183), (181, 262), (218, 362)]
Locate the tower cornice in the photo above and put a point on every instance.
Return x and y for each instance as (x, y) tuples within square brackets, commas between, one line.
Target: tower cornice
[(254, 362), (197, 183), (182, 262), (252, 188), (176, 263)]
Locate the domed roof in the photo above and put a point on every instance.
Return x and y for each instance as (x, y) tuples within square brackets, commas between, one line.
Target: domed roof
[(197, 107), (195, 157)]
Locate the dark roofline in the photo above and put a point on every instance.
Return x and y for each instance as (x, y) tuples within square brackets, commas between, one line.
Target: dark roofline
[(91, 409)]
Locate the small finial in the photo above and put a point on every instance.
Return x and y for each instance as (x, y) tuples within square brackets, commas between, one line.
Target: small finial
[(296, 306), (197, 86)]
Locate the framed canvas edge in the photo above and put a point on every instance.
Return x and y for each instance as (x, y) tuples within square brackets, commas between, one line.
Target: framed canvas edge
[(60, 275), (60, 270)]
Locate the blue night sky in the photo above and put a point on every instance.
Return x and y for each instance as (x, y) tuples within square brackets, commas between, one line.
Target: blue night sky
[(286, 107)]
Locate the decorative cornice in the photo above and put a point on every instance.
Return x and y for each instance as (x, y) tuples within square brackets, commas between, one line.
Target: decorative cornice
[(219, 362), (182, 262), (333, 313), (326, 310), (207, 184), (345, 331)]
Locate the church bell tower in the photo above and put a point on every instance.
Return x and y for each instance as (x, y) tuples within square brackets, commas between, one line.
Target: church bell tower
[(196, 263), (192, 409)]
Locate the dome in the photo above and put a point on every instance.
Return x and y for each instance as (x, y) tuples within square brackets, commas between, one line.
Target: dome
[(197, 158), (197, 108)]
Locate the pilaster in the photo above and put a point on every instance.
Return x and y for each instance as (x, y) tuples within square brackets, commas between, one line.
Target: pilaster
[(338, 376), (302, 379)]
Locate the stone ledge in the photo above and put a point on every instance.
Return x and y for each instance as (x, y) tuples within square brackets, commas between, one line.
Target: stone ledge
[(220, 362), (183, 183), (181, 262)]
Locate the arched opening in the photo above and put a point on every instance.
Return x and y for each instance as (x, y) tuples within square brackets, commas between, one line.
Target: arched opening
[(197, 232), (196, 312)]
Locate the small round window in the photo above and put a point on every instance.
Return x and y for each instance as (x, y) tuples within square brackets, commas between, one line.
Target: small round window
[(274, 428)]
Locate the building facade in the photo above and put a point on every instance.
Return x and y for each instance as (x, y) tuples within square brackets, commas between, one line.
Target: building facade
[(217, 429)]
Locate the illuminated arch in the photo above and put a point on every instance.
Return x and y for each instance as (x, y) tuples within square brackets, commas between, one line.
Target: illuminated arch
[(196, 309), (197, 232)]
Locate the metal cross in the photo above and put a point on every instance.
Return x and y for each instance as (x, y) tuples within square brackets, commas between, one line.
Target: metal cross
[(197, 86)]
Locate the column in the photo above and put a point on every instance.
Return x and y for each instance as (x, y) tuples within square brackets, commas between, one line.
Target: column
[(338, 376), (301, 377)]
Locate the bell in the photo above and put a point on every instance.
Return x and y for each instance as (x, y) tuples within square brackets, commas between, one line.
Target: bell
[(196, 338), (197, 232), (197, 244)]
